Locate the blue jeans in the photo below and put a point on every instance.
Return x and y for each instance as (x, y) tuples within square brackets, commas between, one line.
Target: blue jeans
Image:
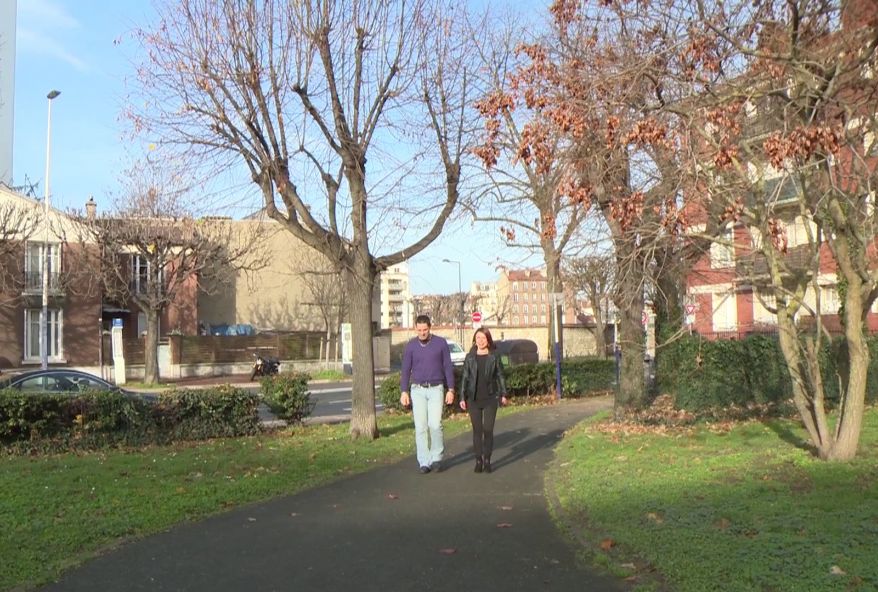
[(427, 404)]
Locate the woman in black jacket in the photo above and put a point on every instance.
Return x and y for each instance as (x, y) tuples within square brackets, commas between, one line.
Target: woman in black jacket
[(482, 391)]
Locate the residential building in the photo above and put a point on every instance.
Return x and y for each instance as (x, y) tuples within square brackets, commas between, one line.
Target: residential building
[(395, 297), (524, 301), (484, 298), (78, 309), (728, 292)]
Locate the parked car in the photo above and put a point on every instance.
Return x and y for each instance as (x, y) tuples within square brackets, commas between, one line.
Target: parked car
[(57, 380), (457, 353), (517, 351)]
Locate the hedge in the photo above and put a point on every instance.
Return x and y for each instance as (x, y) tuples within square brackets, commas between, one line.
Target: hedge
[(703, 374)]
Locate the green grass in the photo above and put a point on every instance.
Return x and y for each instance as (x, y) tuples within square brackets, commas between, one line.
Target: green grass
[(329, 375), (60, 510), (738, 511)]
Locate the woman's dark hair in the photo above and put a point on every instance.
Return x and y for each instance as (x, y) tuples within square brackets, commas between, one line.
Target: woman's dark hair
[(486, 333)]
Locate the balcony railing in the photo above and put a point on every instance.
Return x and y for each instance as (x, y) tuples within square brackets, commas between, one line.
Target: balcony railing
[(33, 282)]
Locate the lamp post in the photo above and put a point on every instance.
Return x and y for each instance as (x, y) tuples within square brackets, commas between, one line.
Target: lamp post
[(460, 311), (44, 316)]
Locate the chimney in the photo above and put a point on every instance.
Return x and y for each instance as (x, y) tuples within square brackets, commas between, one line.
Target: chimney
[(90, 208)]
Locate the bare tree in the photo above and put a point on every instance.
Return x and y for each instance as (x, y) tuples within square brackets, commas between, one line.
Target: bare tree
[(19, 220), (336, 89), (592, 277), (328, 296), (151, 252)]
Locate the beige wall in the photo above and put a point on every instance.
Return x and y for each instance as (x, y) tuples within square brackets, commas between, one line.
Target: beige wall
[(274, 297)]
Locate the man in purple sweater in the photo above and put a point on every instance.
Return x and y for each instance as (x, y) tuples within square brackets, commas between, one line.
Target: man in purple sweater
[(426, 373)]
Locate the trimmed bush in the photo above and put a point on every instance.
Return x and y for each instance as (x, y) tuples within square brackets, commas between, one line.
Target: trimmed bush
[(388, 392), (702, 374), (287, 396), (56, 422), (217, 412), (579, 378)]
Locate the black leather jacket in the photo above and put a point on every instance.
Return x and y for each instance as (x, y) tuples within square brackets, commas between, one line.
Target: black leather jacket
[(493, 369)]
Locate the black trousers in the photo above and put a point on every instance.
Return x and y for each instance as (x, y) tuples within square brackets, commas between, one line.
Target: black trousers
[(482, 415)]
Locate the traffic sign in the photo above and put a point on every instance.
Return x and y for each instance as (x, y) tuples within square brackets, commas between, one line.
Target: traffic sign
[(477, 317), (690, 309)]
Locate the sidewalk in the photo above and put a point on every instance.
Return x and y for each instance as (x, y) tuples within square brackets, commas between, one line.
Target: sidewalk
[(385, 530)]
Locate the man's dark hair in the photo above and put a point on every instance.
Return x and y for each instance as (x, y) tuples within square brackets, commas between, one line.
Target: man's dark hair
[(423, 319)]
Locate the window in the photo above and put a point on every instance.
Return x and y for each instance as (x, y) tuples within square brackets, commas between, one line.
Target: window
[(829, 301), (515, 320), (533, 285), (515, 297), (33, 265), (761, 303), (722, 253), (514, 286), (525, 309), (526, 296), (54, 328), (533, 319), (543, 319), (515, 308), (725, 312), (140, 269)]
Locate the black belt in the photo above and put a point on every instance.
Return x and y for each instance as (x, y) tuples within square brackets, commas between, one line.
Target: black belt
[(428, 384)]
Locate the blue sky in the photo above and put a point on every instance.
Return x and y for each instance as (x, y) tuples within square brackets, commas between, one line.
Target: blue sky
[(83, 49)]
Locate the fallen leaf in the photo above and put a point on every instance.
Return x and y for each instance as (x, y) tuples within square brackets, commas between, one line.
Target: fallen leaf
[(448, 551), (655, 517), (723, 523), (506, 508), (251, 519), (392, 496), (607, 544), (504, 525), (837, 571), (294, 514), (629, 566)]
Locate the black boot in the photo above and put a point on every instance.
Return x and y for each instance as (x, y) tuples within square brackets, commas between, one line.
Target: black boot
[(478, 468), (486, 463)]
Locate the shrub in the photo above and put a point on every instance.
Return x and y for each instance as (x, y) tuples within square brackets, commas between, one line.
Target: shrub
[(192, 414), (287, 396), (388, 392), (578, 377)]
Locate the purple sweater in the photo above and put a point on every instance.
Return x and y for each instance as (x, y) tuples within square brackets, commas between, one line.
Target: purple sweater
[(430, 363)]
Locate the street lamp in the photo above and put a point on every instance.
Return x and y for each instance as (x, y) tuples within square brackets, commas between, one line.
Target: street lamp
[(44, 316), (459, 291)]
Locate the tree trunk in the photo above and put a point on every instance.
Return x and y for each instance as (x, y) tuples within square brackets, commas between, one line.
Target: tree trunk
[(150, 348), (632, 387), (360, 283)]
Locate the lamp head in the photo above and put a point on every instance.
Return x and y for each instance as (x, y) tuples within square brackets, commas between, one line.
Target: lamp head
[(53, 94)]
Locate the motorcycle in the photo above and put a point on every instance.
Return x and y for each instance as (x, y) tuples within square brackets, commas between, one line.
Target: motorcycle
[(264, 366)]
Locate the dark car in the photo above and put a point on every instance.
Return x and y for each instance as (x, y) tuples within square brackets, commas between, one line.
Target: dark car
[(517, 351), (57, 381)]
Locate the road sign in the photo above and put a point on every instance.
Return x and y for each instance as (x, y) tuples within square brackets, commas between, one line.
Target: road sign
[(690, 309), (477, 317)]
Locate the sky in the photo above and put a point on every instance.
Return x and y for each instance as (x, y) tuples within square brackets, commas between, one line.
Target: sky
[(83, 48)]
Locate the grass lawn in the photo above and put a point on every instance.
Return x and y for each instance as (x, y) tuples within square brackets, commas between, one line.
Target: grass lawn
[(744, 509), (57, 511)]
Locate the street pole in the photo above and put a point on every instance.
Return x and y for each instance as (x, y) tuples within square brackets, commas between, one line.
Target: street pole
[(44, 315), (462, 301)]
